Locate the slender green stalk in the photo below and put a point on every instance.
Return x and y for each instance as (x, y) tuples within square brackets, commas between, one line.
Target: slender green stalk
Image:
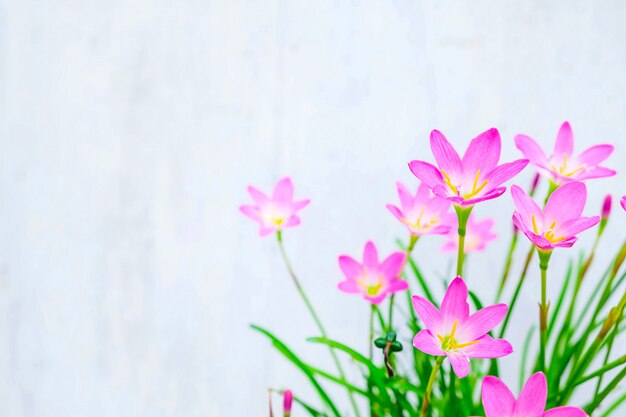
[(610, 387), (462, 214), (429, 387), (518, 288), (316, 318), (544, 259), (507, 264), (371, 343)]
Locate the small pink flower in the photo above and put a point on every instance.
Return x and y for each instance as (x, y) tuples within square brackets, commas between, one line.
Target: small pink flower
[(423, 213), (454, 333), (373, 279), (562, 166), (477, 235), (277, 212), (287, 401), (559, 222), (475, 178), (498, 401)]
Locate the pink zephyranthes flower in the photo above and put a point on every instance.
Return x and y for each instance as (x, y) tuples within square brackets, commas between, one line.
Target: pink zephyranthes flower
[(498, 401), (277, 212), (477, 177), (423, 213), (373, 279), (477, 235), (454, 333), (559, 222), (563, 166)]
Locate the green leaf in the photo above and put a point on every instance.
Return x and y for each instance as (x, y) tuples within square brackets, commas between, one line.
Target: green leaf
[(282, 348)]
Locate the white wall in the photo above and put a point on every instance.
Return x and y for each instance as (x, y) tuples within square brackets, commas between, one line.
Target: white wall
[(129, 131)]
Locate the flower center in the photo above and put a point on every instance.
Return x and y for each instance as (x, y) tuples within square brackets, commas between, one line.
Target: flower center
[(562, 170), (449, 343), (549, 234), (476, 187), (370, 287), (417, 224)]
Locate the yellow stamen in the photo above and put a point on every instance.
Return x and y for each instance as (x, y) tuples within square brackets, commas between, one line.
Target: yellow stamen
[(569, 174), (453, 331), (476, 190), (449, 182), (449, 343), (534, 225)]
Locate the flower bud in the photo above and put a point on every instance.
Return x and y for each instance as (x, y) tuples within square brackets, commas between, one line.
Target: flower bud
[(606, 210), (533, 186), (287, 401)]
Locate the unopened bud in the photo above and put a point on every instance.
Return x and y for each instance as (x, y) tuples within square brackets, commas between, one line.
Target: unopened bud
[(287, 401), (533, 186), (606, 206)]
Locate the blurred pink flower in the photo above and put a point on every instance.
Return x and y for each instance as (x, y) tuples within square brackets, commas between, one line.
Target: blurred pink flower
[(622, 202), (287, 401), (562, 166), (423, 213), (559, 222), (454, 333), (475, 178), (498, 401), (373, 279), (277, 212), (477, 235)]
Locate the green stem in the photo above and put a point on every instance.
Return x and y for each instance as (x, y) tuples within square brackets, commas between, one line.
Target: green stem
[(431, 383), (544, 259), (316, 318), (462, 214), (518, 288), (371, 344), (507, 264)]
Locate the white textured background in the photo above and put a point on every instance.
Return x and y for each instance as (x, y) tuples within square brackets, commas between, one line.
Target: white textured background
[(129, 131)]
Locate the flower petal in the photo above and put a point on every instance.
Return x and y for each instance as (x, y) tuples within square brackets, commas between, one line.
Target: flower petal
[(390, 268), (575, 226), (427, 312), (292, 222), (498, 400), (595, 155), (348, 286), (487, 348), (454, 305), (350, 268), (525, 205), (564, 144), (377, 299), (503, 173), (258, 196), (460, 364), (565, 203), (496, 192), (531, 150), (481, 322), (532, 399), (370, 256), (396, 212), (483, 152), (423, 194), (446, 156), (597, 172), (566, 411), (406, 199), (250, 211), (427, 343), (397, 285), (283, 192), (299, 205), (427, 173)]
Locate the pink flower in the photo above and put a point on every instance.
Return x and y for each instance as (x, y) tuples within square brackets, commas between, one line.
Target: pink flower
[(287, 401), (622, 202), (498, 400), (477, 235), (559, 222), (454, 333), (277, 212), (477, 177), (373, 279), (562, 166), (423, 213)]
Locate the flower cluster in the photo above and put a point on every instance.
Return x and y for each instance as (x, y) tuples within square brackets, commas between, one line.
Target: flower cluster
[(443, 204)]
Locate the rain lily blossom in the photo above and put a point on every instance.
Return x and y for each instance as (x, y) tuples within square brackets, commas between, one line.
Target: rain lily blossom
[(477, 235), (559, 222), (275, 212), (454, 333), (373, 279), (563, 166), (422, 213), (498, 401), (474, 178)]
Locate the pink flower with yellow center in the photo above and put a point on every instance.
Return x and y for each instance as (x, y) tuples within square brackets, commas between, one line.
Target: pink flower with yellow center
[(454, 333), (563, 166), (277, 212), (422, 213), (373, 279), (558, 223), (475, 178), (477, 235), (499, 401)]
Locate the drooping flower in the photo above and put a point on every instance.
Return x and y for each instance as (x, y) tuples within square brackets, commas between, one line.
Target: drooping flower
[(287, 401), (423, 213), (454, 333), (277, 212), (475, 178), (563, 166), (477, 235), (498, 401), (373, 279), (560, 220)]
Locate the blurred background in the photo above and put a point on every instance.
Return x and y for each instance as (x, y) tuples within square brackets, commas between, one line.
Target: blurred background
[(130, 129)]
